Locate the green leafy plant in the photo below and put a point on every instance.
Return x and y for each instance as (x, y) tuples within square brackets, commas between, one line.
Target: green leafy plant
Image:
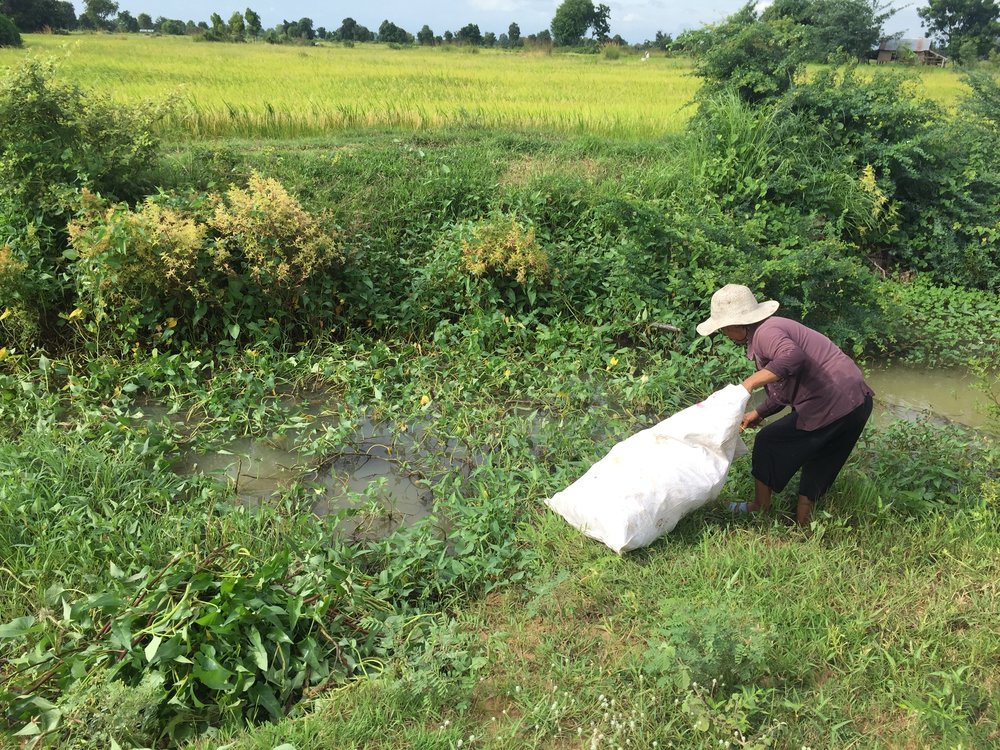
[(228, 639)]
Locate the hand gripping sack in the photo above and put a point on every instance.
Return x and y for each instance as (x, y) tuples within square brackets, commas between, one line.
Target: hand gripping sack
[(648, 482)]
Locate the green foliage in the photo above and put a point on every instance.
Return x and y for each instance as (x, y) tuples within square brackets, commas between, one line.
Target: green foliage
[(939, 326), (54, 140), (968, 28), (822, 285), (756, 58), (948, 475), (571, 21), (227, 638), (9, 35), (37, 15), (249, 260), (834, 28), (930, 175), (712, 644), (103, 710)]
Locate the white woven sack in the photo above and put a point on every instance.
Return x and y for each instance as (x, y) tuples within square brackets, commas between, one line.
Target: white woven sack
[(648, 482)]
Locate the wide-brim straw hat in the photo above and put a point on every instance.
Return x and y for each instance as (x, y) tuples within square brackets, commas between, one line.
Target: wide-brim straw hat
[(735, 305)]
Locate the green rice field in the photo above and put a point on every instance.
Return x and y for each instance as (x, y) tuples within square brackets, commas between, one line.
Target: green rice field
[(273, 91)]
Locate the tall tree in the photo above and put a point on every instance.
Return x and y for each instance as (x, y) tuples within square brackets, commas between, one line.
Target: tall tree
[(469, 34), (425, 36), (602, 23), (237, 27), (390, 32), (126, 23), (346, 32), (145, 21), (571, 21), (831, 27), (514, 35), (97, 14), (965, 27), (9, 35), (34, 15), (252, 22)]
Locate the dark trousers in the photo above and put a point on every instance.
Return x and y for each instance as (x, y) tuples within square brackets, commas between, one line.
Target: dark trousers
[(781, 449)]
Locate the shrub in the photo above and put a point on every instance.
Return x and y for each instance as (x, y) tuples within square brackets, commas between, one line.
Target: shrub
[(938, 173), (18, 316), (9, 35), (54, 140), (503, 248), (766, 159), (203, 266), (711, 644), (266, 238), (495, 262), (926, 468), (821, 285)]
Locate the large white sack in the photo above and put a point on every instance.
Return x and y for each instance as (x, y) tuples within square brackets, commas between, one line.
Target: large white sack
[(648, 482)]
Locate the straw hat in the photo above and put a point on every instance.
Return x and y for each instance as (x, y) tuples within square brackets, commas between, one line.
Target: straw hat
[(735, 305)]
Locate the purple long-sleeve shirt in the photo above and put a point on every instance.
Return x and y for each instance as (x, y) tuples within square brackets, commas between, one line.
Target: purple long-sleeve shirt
[(819, 381)]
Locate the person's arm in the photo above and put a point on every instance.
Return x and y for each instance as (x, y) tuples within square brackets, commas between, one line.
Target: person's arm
[(760, 379), (785, 360)]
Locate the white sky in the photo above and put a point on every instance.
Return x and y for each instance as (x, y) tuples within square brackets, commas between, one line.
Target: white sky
[(635, 20)]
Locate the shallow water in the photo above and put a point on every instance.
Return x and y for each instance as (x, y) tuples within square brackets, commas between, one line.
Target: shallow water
[(367, 478), (910, 392)]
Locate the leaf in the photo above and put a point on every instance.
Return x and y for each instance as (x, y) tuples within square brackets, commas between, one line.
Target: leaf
[(152, 647), (259, 653), (234, 330), (17, 627), (262, 695), (210, 673), (29, 730), (116, 572)]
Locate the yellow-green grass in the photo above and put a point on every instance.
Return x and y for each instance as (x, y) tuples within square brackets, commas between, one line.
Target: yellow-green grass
[(285, 91)]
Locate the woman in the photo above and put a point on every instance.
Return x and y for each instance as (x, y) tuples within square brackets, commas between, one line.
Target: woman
[(801, 368)]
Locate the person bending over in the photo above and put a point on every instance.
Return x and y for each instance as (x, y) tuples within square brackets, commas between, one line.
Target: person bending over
[(803, 369)]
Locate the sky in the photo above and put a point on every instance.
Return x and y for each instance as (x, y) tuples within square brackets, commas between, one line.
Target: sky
[(634, 20)]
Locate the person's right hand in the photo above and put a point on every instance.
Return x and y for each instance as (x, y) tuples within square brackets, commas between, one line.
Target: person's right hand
[(751, 419)]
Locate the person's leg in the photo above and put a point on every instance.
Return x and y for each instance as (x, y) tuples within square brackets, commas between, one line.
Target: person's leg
[(804, 511), (761, 497), (779, 451), (819, 472)]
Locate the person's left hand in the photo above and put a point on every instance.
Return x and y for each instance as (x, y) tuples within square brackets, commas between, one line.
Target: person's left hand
[(751, 419)]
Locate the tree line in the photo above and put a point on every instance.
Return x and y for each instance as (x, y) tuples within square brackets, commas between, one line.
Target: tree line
[(812, 30)]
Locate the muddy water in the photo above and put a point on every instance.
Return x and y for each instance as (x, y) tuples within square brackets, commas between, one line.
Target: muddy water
[(912, 393), (366, 482)]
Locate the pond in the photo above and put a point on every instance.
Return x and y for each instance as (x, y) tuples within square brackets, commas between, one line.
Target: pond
[(943, 395)]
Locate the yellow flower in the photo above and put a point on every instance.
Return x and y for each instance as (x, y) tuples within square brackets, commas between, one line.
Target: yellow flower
[(613, 361), (424, 400), (506, 373), (171, 322)]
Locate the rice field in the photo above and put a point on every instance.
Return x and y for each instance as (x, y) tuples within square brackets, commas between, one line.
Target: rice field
[(239, 90), (261, 90)]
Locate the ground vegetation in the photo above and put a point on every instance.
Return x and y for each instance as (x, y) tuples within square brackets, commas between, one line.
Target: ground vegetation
[(506, 304)]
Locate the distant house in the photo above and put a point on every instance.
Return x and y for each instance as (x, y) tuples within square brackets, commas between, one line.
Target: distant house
[(890, 50)]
